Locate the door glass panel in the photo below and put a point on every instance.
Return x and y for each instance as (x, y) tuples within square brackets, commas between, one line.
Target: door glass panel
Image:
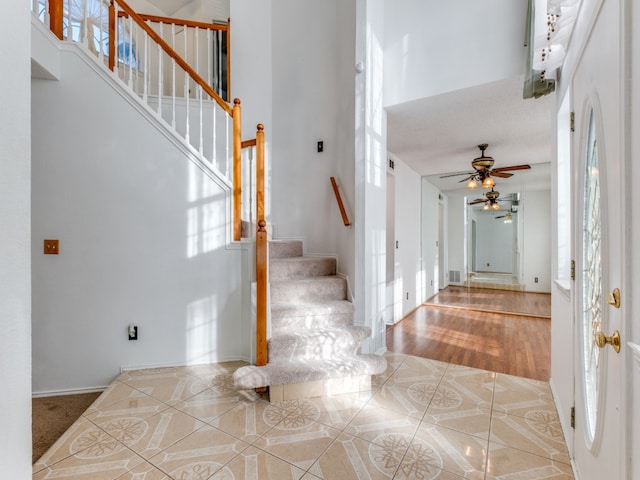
[(592, 276)]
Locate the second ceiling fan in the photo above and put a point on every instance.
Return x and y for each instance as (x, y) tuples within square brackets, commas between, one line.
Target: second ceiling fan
[(483, 171)]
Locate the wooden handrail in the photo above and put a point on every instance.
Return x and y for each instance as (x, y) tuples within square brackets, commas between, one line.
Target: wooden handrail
[(261, 255), (249, 143), (177, 21), (343, 212), (171, 52)]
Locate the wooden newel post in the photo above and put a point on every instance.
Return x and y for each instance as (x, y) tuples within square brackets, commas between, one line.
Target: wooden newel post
[(261, 255), (55, 17), (237, 170)]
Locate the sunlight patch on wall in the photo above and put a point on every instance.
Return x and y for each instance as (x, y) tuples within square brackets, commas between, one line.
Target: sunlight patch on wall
[(375, 145), (201, 331), (207, 218)]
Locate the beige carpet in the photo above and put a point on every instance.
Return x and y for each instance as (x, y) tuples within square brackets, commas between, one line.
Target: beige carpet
[(52, 416)]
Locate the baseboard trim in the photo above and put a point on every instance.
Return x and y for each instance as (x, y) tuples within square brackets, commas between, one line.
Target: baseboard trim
[(70, 391), (128, 368)]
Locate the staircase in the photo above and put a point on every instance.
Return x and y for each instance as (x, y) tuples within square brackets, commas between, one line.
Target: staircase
[(313, 349)]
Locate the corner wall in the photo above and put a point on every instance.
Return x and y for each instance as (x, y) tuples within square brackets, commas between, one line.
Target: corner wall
[(15, 238)]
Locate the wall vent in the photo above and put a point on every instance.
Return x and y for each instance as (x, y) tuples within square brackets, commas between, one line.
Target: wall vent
[(454, 276)]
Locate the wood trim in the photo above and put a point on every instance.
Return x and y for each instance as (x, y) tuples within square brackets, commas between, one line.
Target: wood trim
[(261, 255), (55, 17), (249, 143), (343, 212), (237, 170), (178, 59), (112, 36), (178, 21)]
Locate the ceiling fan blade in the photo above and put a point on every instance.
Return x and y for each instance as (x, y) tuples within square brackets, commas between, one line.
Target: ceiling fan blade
[(513, 167), (478, 200), (501, 216), (457, 174), (501, 174)]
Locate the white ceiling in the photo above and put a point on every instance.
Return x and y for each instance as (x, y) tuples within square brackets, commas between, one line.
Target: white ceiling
[(440, 134)]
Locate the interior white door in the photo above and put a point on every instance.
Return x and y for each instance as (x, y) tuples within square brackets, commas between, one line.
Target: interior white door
[(598, 149)]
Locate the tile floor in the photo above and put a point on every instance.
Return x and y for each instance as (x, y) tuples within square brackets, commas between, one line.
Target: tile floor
[(422, 420)]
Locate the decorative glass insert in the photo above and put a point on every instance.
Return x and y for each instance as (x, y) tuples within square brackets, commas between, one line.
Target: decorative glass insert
[(592, 292)]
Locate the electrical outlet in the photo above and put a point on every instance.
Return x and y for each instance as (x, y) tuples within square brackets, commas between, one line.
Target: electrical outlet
[(407, 295), (51, 247), (133, 332), (535, 279), (320, 146)]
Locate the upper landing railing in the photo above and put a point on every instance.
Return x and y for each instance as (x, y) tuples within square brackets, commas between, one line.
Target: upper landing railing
[(181, 70)]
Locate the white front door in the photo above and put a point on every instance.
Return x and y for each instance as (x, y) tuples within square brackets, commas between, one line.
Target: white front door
[(598, 149)]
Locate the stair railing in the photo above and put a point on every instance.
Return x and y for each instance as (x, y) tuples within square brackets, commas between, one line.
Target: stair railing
[(163, 80), (180, 97)]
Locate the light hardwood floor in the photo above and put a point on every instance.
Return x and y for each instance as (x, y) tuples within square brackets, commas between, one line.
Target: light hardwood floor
[(469, 326)]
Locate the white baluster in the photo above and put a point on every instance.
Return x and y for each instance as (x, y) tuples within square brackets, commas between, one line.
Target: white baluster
[(69, 27), (173, 76), (228, 155), (200, 92), (129, 55), (187, 97), (160, 73), (214, 118), (101, 34), (145, 73)]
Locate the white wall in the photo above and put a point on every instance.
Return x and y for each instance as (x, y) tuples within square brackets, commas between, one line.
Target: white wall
[(495, 242), (143, 239), (15, 271), (428, 230), (409, 277), (370, 174), (309, 105), (431, 49), (535, 219), (456, 234)]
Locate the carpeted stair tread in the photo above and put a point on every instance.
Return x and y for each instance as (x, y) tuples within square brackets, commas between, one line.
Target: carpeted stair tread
[(299, 267), (317, 343), (311, 315), (280, 373), (285, 248), (309, 290)]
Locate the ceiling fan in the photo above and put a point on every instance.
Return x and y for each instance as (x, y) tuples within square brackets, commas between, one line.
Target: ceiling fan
[(483, 171), (490, 200), (508, 217)]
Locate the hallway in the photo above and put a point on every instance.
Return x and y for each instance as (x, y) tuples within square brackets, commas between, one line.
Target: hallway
[(498, 330)]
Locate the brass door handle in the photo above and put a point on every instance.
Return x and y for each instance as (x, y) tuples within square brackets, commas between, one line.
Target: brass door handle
[(613, 298), (614, 340)]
